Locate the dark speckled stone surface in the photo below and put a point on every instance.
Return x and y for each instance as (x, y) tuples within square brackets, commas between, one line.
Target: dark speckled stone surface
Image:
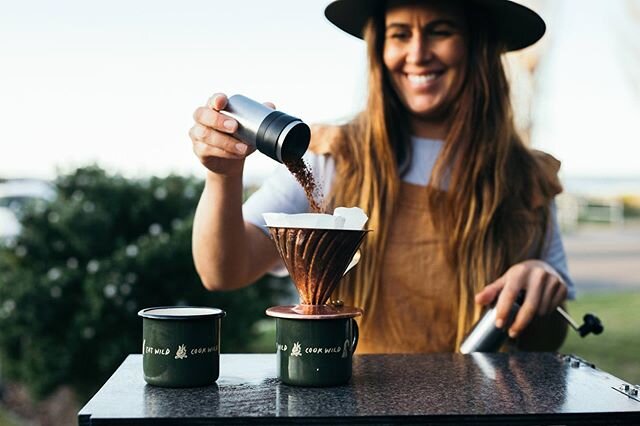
[(523, 388)]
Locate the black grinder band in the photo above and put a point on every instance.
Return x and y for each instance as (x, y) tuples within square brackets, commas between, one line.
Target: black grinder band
[(272, 129)]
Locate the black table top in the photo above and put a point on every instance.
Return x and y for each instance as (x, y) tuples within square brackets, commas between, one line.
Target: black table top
[(527, 388)]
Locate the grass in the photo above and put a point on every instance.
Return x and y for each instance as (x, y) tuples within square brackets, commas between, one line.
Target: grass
[(617, 349)]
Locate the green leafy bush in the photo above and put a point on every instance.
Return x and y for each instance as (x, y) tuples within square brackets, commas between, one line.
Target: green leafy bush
[(86, 262)]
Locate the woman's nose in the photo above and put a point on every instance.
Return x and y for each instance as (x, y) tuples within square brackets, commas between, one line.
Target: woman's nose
[(419, 51)]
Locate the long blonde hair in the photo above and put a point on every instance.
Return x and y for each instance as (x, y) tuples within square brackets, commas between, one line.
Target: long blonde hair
[(491, 175)]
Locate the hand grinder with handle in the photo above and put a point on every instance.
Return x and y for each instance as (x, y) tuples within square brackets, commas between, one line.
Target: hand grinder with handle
[(486, 337)]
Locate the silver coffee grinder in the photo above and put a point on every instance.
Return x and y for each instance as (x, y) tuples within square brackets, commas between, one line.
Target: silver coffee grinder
[(280, 136), (486, 337)]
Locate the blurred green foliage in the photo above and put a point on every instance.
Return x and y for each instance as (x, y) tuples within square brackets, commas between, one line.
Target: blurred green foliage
[(85, 263)]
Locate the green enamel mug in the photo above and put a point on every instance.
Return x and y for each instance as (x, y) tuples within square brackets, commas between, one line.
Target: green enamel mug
[(181, 345), (315, 350)]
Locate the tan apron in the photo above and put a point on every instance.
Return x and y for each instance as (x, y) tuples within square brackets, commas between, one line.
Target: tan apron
[(417, 306), (418, 299)]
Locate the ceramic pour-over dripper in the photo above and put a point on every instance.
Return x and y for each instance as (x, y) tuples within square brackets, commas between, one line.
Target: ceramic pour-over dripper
[(316, 258), (317, 249)]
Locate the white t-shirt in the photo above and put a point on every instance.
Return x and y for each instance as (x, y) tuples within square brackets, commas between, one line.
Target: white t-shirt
[(283, 194)]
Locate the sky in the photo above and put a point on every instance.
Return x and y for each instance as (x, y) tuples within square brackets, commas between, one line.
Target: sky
[(117, 82), (588, 107)]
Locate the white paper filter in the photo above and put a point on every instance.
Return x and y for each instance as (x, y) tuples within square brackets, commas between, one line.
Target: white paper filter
[(349, 218)]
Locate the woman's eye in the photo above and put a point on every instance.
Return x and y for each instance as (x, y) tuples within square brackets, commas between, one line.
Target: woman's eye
[(400, 35), (440, 33)]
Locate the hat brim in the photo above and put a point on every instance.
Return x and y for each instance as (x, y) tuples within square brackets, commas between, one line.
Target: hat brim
[(516, 25)]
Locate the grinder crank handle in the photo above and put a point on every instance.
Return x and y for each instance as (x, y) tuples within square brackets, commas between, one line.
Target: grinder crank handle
[(592, 323)]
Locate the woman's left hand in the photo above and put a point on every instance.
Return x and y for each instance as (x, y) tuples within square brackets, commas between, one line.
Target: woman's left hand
[(544, 291)]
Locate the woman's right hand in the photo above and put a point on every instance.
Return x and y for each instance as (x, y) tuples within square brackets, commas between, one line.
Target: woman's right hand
[(212, 139)]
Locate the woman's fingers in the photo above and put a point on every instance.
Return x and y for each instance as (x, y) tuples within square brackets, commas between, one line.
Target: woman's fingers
[(560, 297), (544, 291), (550, 289), (217, 101), (215, 120), (221, 141), (555, 290), (214, 129), (512, 287), (198, 132), (533, 282), (213, 141), (490, 292), (210, 116), (205, 151)]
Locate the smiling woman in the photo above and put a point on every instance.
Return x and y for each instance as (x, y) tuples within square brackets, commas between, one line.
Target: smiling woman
[(425, 55), (461, 211)]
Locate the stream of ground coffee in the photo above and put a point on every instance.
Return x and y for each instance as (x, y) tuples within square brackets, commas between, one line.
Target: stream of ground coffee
[(303, 175)]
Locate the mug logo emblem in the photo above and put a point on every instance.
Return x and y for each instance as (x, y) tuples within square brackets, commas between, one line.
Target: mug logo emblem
[(296, 350), (181, 353)]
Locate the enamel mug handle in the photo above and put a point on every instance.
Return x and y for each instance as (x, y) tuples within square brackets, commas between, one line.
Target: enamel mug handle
[(356, 335)]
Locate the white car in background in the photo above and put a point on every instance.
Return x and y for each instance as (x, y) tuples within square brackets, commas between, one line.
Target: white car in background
[(14, 195), (9, 224)]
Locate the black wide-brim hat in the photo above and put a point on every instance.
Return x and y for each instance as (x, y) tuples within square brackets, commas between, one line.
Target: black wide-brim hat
[(516, 25)]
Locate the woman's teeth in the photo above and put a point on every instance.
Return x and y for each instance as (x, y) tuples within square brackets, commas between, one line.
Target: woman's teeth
[(421, 79)]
